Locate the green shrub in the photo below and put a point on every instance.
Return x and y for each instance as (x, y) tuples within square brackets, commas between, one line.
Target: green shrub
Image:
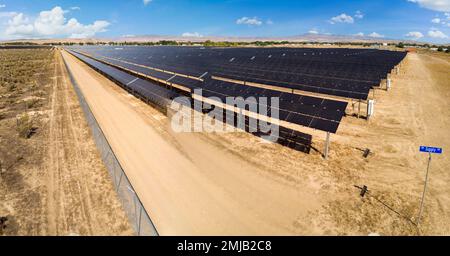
[(11, 87), (24, 126), (32, 103)]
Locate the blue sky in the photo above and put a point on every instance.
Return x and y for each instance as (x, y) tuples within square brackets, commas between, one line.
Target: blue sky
[(424, 20)]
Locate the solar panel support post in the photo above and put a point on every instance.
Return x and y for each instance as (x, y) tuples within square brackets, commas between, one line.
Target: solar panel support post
[(359, 109), (370, 109), (327, 146), (353, 106)]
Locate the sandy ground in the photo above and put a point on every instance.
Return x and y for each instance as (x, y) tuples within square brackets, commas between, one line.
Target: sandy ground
[(62, 187), (233, 184)]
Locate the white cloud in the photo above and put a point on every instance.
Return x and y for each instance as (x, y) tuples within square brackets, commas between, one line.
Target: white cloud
[(7, 14), (313, 31), (75, 8), (189, 34), (249, 21), (2, 5), (86, 31), (435, 5), (360, 34), (146, 2), (436, 20), (376, 35), (414, 35), (19, 24), (359, 15), (343, 18), (269, 22), (52, 23), (437, 34)]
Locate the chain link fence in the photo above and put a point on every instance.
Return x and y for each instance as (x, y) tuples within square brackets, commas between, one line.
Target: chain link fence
[(139, 219)]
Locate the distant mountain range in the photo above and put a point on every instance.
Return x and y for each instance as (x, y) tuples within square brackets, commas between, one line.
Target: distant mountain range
[(299, 38), (155, 38)]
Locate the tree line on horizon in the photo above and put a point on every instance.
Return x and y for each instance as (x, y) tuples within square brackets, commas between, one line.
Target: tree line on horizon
[(209, 43)]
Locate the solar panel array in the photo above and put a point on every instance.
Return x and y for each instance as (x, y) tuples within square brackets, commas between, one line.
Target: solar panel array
[(145, 89), (160, 96), (316, 113), (349, 73)]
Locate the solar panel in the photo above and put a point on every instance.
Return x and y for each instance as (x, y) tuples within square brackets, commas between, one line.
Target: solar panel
[(301, 113), (151, 92)]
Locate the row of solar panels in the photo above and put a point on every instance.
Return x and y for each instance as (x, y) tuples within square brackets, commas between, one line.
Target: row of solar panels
[(369, 57), (286, 137), (305, 111), (150, 91), (370, 60), (315, 113), (349, 89), (336, 76)]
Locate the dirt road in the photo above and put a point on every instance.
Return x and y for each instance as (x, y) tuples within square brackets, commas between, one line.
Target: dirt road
[(77, 203), (233, 184)]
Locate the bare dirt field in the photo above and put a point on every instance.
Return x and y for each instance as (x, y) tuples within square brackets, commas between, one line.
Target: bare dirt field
[(52, 180), (235, 184)]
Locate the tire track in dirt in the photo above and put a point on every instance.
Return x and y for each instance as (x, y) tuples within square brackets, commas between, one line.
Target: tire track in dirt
[(85, 195), (53, 162), (79, 196), (68, 204), (82, 198)]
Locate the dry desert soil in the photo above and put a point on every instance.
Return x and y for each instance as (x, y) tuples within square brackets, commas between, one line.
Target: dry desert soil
[(52, 182)]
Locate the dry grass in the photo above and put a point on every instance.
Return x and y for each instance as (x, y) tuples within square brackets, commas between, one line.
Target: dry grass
[(20, 70), (40, 155)]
